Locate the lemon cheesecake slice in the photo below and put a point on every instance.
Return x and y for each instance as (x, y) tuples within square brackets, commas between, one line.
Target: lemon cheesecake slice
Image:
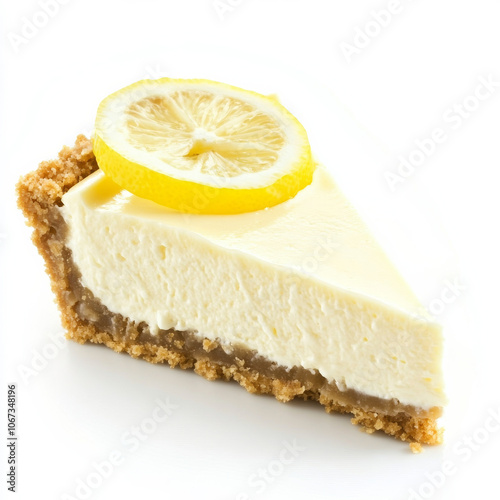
[(287, 294)]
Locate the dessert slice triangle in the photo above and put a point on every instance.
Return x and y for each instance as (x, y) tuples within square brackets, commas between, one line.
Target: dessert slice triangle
[(296, 300)]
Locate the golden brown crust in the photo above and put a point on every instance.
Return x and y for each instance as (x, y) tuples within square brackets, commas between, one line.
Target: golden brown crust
[(40, 191), (416, 448)]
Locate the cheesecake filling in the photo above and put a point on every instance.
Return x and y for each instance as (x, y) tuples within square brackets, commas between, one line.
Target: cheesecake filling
[(295, 283)]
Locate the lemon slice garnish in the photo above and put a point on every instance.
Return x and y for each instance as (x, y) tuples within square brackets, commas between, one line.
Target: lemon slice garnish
[(201, 146)]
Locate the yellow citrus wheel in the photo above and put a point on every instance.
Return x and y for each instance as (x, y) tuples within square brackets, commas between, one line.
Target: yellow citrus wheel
[(201, 146)]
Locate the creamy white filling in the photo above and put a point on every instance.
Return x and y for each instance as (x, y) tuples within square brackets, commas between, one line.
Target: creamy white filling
[(302, 283)]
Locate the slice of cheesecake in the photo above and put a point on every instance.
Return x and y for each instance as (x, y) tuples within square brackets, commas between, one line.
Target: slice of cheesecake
[(297, 300)]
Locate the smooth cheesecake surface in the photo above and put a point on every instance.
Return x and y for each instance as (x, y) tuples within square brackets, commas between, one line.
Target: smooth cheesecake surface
[(303, 283)]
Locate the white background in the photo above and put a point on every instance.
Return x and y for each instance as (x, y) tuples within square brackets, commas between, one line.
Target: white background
[(362, 112)]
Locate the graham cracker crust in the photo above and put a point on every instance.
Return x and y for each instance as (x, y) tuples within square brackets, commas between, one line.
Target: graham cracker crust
[(86, 319)]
